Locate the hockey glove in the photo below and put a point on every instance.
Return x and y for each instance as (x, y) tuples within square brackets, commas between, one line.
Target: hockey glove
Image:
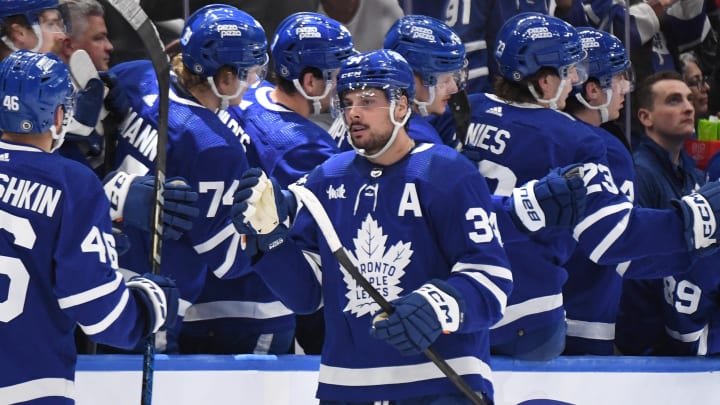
[(160, 298), (420, 317), (700, 211), (556, 200), (260, 209), (132, 198)]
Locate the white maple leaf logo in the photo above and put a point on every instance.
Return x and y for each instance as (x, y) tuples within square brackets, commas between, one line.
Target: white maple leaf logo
[(382, 268)]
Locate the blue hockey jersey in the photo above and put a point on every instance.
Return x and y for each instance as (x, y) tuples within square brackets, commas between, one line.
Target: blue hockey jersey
[(58, 270), (201, 149), (514, 143), (426, 216)]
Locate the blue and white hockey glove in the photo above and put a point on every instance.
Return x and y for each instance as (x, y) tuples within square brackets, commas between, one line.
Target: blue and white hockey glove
[(556, 200), (700, 211), (86, 113), (420, 317), (132, 198), (159, 296), (260, 210)]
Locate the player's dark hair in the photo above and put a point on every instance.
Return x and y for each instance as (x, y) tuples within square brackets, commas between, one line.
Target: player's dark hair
[(189, 79), (572, 104), (644, 94), (518, 91)]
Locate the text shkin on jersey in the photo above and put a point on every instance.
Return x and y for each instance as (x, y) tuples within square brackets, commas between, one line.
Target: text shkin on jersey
[(29, 195)]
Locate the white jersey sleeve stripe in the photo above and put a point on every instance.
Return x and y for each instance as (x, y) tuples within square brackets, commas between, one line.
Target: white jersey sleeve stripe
[(315, 263), (596, 216), (530, 307), (494, 271), (92, 294), (591, 330), (109, 319), (216, 240), (684, 337), (35, 389), (490, 286), (610, 238), (230, 255)]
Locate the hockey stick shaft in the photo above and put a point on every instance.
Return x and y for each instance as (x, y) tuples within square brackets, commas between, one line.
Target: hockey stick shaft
[(139, 21), (327, 229)]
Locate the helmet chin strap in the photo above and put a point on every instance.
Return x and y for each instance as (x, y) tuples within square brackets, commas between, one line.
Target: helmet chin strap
[(553, 101), (423, 105), (396, 128), (225, 100), (317, 107), (603, 108), (58, 137)]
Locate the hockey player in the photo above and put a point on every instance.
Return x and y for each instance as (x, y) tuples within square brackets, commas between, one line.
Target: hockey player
[(58, 253), (388, 190), (308, 49), (592, 292), (437, 57), (38, 25), (363, 193), (517, 135), (223, 51)]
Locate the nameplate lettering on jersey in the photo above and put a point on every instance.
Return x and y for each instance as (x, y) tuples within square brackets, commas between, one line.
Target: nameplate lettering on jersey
[(488, 137), (141, 135), (234, 126), (29, 195)]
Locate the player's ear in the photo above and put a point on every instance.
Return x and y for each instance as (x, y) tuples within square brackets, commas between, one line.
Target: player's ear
[(645, 117)]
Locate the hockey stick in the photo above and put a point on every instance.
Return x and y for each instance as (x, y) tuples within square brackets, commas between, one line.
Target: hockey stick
[(461, 113), (331, 237), (139, 21)]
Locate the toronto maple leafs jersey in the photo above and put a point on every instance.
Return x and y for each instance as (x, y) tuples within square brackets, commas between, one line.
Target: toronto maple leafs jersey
[(200, 149), (58, 270), (514, 143), (427, 216)]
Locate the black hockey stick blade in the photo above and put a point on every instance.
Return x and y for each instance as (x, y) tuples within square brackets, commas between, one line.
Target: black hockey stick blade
[(139, 21), (331, 237), (461, 113)]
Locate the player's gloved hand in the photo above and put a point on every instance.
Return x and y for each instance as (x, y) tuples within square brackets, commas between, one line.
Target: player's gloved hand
[(116, 101), (86, 113), (122, 242), (159, 296), (700, 212), (132, 198), (420, 317), (260, 209), (556, 200)]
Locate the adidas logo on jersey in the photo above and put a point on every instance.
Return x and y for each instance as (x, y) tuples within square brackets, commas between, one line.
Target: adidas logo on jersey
[(335, 193), (494, 111), (4, 157)]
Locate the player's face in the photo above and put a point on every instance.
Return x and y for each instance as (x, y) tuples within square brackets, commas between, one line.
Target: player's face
[(95, 41), (366, 114), (694, 78), (672, 114), (620, 87), (52, 26), (445, 87)]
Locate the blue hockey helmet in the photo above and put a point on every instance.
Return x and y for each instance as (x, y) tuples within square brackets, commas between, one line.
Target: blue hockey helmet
[(429, 45), (606, 56), (219, 35), (382, 69), (32, 86), (29, 8), (530, 41), (309, 39)]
